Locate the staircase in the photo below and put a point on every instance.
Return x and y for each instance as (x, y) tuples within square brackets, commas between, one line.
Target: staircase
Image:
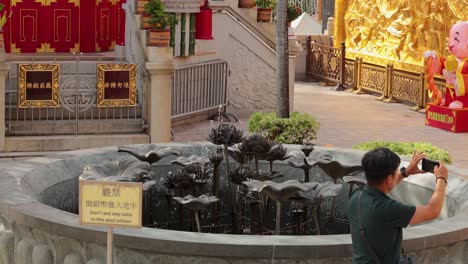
[(246, 45)]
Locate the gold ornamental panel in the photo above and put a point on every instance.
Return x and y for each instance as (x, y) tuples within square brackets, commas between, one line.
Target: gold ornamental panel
[(116, 85), (349, 79), (38, 85), (373, 78), (406, 86)]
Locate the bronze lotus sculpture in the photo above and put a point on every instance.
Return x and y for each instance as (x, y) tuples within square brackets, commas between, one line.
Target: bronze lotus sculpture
[(239, 197), (149, 152)]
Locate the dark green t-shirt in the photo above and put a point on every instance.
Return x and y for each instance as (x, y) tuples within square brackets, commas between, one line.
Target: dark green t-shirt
[(383, 219)]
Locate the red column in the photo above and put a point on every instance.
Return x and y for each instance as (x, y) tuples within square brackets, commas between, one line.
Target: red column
[(204, 23), (121, 22)]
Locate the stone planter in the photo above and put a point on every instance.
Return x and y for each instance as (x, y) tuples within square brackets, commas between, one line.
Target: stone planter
[(264, 14), (246, 3), (140, 8), (159, 38), (145, 22)]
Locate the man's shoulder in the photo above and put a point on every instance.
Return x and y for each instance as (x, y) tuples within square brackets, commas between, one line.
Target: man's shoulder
[(352, 201)]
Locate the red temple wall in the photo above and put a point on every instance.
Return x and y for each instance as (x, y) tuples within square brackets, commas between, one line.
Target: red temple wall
[(63, 26)]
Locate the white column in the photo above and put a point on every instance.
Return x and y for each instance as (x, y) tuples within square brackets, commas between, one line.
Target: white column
[(159, 97), (4, 69)]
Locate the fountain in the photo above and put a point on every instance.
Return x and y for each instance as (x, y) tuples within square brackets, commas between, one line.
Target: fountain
[(234, 199)]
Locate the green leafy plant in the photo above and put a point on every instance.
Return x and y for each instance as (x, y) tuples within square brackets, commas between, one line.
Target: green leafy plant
[(158, 17), (408, 148), (299, 128), (264, 3), (293, 12)]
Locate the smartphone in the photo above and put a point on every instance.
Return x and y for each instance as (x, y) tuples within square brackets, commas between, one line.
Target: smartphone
[(428, 165)]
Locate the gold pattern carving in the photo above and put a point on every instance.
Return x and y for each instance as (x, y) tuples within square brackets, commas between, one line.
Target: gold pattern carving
[(23, 102), (373, 78), (399, 30), (14, 49), (45, 47), (349, 73), (406, 86), (101, 69), (76, 48), (14, 2)]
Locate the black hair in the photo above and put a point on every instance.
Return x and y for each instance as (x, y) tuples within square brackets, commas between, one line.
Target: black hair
[(378, 164)]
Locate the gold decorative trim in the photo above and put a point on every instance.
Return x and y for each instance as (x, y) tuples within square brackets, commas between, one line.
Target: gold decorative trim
[(23, 102), (101, 69), (14, 49), (45, 47), (14, 2), (76, 48)]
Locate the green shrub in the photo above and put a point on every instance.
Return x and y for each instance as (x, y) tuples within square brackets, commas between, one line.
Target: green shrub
[(299, 128), (408, 148)]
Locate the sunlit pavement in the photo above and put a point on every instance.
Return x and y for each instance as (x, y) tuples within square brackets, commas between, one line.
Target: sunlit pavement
[(347, 119)]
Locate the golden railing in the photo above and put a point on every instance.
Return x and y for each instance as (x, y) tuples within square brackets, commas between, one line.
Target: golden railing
[(390, 84), (325, 62)]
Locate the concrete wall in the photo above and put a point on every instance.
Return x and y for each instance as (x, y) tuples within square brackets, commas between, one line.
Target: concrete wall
[(252, 65)]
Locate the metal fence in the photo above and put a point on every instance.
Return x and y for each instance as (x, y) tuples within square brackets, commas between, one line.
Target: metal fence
[(326, 62), (308, 6), (199, 87), (390, 84), (78, 112)]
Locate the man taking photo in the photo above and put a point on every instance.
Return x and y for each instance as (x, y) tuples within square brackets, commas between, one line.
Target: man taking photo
[(376, 220)]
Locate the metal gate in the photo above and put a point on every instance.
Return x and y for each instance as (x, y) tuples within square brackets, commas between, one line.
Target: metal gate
[(78, 112), (199, 87)]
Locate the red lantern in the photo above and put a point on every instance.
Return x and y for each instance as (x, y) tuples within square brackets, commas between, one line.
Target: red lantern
[(204, 23)]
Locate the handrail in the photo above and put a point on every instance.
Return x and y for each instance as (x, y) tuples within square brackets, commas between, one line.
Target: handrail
[(265, 40)]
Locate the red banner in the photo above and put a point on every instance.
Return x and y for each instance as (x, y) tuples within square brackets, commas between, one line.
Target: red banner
[(454, 120)]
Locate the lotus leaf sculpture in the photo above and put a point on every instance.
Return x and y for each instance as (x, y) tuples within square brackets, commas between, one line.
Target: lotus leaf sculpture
[(246, 174), (124, 169), (358, 179), (321, 190), (149, 152), (280, 191), (323, 160), (196, 204), (193, 159)]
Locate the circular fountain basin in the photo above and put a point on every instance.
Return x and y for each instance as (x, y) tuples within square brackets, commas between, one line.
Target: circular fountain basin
[(41, 234)]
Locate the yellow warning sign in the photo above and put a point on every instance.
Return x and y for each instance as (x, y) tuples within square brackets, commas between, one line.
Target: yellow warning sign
[(117, 204)]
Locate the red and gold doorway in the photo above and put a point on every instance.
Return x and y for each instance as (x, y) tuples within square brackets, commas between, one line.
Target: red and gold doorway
[(62, 26)]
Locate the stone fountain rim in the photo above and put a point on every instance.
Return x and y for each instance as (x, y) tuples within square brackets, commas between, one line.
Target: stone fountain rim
[(17, 206)]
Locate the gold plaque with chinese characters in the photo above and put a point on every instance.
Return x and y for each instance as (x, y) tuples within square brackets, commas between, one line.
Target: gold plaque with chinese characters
[(38, 85), (116, 85)]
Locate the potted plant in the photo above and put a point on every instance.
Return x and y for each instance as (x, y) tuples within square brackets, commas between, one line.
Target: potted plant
[(293, 12), (246, 3), (140, 8), (161, 22), (264, 9)]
